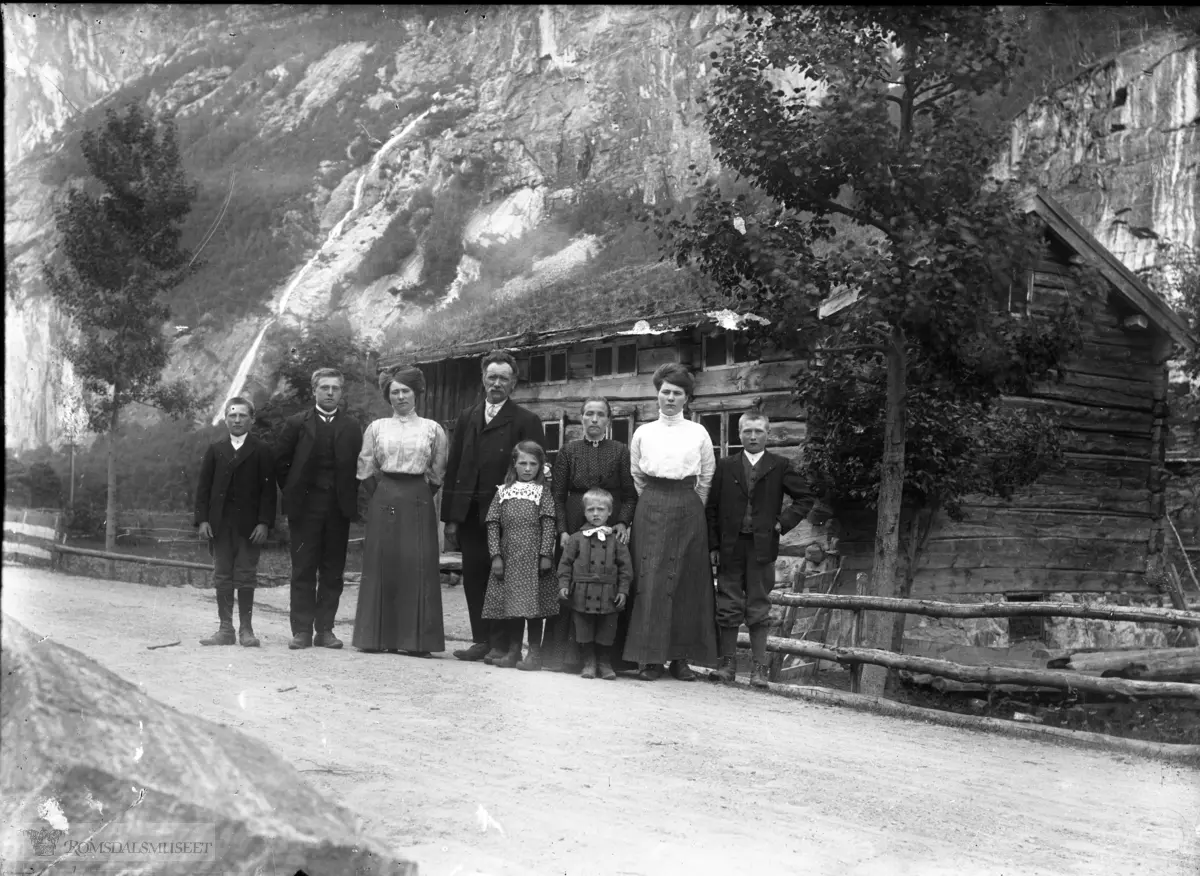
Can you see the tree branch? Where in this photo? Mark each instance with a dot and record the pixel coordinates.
(835, 207)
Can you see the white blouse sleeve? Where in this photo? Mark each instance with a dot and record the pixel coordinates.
(635, 460)
(708, 465)
(366, 457)
(436, 473)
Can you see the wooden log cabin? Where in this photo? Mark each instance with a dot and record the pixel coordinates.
(1095, 530)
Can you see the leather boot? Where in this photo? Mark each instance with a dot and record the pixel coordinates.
(245, 613)
(726, 671)
(224, 634)
(758, 677)
(498, 640)
(326, 639)
(477, 651)
(301, 641)
(604, 665)
(681, 671)
(510, 659)
(532, 661)
(588, 650)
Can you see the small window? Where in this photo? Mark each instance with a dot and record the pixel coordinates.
(727, 348)
(537, 368)
(603, 362)
(548, 367)
(1020, 295)
(714, 351)
(722, 428)
(1026, 629)
(554, 431)
(619, 429)
(712, 424)
(741, 348)
(613, 359)
(627, 359)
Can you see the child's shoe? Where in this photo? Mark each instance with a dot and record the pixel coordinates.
(511, 659)
(589, 667)
(532, 661)
(604, 667)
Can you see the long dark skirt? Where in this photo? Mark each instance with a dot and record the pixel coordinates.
(400, 598)
(673, 612)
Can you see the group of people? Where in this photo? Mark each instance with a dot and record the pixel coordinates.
(604, 562)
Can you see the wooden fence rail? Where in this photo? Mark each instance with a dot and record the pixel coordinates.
(1061, 679)
(987, 609)
(856, 656)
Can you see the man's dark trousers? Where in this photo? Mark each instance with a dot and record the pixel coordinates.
(476, 569)
(235, 566)
(318, 547)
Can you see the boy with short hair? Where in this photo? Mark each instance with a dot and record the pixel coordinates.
(235, 510)
(594, 576)
(745, 521)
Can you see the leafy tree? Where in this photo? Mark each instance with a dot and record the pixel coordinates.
(868, 175)
(119, 252)
(300, 353)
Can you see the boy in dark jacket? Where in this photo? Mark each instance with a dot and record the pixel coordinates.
(594, 575)
(744, 526)
(235, 510)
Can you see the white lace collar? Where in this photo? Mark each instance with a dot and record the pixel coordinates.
(522, 490)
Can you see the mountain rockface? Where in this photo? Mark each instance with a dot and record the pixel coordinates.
(378, 163)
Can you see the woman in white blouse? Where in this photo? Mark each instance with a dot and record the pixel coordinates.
(400, 598)
(672, 463)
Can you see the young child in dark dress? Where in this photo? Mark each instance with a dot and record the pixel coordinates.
(522, 529)
(594, 575)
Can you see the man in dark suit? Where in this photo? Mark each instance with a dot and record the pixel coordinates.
(480, 452)
(744, 526)
(316, 459)
(235, 509)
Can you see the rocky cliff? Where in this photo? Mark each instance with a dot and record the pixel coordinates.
(382, 163)
(423, 157)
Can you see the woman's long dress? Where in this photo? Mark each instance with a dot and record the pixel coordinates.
(580, 466)
(400, 597)
(521, 529)
(673, 613)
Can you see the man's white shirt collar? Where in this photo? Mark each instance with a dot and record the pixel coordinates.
(753, 458)
(237, 441)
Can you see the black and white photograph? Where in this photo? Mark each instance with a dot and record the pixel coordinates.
(601, 440)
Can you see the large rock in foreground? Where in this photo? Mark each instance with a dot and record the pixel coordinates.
(100, 776)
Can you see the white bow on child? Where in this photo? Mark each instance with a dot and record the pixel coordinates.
(601, 531)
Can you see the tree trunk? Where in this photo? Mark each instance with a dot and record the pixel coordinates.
(918, 534)
(877, 627)
(110, 512)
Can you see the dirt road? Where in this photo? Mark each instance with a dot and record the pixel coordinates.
(593, 777)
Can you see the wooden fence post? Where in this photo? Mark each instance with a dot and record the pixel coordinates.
(860, 589)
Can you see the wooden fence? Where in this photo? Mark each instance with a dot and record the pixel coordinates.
(855, 656)
(31, 536)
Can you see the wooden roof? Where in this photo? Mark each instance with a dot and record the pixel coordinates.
(1127, 284)
(540, 340)
(1064, 226)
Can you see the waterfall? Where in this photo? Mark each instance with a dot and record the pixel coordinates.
(243, 370)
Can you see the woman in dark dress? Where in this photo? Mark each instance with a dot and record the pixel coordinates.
(400, 598)
(672, 461)
(588, 462)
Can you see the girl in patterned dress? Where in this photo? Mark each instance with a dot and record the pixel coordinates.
(522, 529)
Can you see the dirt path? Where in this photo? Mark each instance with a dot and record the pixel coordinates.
(626, 777)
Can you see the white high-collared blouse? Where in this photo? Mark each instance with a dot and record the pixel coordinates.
(404, 445)
(675, 448)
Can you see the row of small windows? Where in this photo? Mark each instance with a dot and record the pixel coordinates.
(612, 360)
(722, 428)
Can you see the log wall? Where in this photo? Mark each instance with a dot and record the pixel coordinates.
(1094, 527)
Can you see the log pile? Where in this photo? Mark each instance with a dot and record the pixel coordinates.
(1161, 664)
(86, 757)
